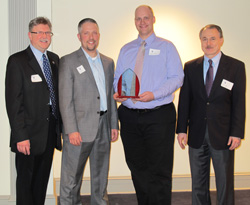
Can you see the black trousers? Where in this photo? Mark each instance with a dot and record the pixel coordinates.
(148, 139)
(223, 163)
(33, 172)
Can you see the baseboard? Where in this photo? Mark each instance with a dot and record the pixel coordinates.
(7, 200)
(124, 185)
(180, 183)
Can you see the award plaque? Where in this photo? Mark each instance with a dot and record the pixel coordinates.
(128, 85)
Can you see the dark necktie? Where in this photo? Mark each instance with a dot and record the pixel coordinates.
(48, 76)
(209, 77)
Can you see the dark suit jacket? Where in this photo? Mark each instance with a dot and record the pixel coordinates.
(27, 101)
(223, 111)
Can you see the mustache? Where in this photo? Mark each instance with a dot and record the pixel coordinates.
(208, 47)
(44, 40)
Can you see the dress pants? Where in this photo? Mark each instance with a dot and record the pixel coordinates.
(33, 172)
(223, 163)
(74, 159)
(148, 139)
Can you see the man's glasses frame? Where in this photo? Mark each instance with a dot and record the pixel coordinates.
(41, 33)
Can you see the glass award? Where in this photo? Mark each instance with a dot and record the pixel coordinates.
(128, 85)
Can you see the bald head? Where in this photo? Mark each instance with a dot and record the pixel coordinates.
(144, 21)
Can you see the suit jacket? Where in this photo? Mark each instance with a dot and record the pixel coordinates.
(27, 102)
(223, 112)
(79, 96)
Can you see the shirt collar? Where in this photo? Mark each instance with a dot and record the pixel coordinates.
(148, 41)
(38, 54)
(89, 57)
(215, 59)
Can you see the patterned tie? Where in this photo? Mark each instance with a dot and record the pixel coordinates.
(209, 77)
(139, 61)
(48, 76)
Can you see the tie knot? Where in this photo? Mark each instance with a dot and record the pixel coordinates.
(143, 43)
(210, 62)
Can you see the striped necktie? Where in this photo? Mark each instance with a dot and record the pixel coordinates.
(48, 76)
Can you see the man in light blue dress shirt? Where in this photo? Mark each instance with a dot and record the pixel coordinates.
(89, 116)
(148, 122)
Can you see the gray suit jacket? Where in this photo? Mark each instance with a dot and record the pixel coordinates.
(79, 97)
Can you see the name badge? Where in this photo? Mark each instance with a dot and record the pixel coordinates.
(154, 52)
(80, 69)
(227, 84)
(36, 78)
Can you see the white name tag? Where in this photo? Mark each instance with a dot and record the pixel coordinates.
(80, 69)
(154, 52)
(36, 78)
(227, 84)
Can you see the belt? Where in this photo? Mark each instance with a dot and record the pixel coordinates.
(148, 110)
(102, 112)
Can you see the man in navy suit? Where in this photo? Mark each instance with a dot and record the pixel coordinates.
(34, 120)
(212, 111)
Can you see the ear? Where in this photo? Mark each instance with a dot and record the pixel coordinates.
(154, 19)
(79, 37)
(221, 41)
(29, 35)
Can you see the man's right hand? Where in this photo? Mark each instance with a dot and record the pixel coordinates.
(182, 140)
(75, 138)
(24, 147)
(116, 98)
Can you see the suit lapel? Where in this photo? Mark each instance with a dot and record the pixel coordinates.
(35, 65)
(200, 77)
(84, 61)
(53, 67)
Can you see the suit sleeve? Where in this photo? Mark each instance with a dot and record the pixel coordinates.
(114, 115)
(67, 108)
(14, 100)
(238, 103)
(184, 104)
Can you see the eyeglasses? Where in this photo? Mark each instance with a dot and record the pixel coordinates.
(41, 33)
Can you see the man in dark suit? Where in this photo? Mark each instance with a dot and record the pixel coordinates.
(33, 111)
(212, 109)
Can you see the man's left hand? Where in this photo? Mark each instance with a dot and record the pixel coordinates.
(145, 97)
(234, 142)
(114, 135)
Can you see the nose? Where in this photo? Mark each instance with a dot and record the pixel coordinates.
(209, 42)
(44, 34)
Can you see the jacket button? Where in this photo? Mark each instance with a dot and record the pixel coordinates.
(98, 97)
(205, 118)
(208, 103)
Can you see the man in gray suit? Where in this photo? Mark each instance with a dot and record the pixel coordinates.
(89, 115)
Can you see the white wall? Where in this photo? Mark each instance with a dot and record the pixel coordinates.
(178, 21)
(4, 124)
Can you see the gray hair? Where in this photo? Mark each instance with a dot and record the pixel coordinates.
(39, 20)
(211, 26)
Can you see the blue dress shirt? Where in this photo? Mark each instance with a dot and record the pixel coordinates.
(98, 72)
(216, 61)
(162, 70)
